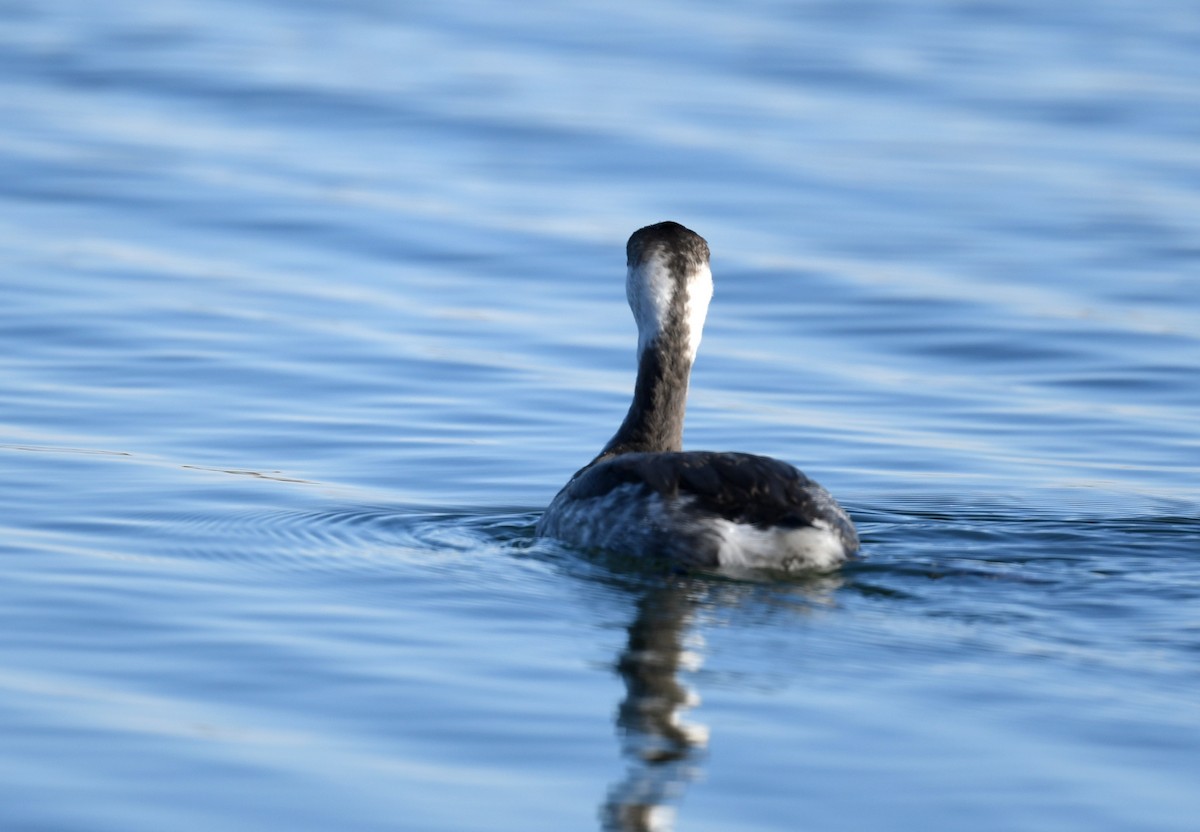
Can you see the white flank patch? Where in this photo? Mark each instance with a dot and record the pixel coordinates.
(812, 547)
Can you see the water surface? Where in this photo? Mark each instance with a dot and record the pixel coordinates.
(309, 308)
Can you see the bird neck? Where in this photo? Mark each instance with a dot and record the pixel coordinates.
(654, 422)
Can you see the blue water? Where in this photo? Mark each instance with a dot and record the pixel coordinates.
(308, 309)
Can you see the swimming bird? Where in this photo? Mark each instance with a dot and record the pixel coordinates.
(644, 494)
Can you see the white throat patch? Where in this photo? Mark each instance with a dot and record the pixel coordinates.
(651, 290)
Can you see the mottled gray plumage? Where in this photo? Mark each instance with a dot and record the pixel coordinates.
(742, 488)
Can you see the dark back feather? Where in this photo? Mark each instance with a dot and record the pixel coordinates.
(743, 488)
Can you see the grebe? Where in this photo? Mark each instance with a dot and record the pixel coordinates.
(644, 494)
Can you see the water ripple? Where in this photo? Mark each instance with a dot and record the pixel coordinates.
(351, 538)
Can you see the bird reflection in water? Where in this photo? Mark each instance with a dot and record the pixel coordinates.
(655, 739)
(663, 750)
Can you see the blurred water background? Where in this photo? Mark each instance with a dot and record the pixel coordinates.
(309, 307)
